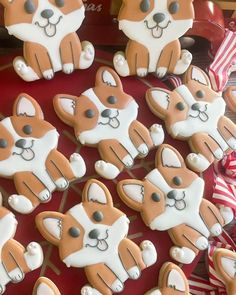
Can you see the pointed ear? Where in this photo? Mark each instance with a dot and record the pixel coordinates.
(108, 77)
(49, 225)
(131, 191)
(25, 105)
(64, 106)
(158, 100)
(167, 156)
(44, 286)
(230, 97)
(5, 3)
(196, 74)
(95, 191)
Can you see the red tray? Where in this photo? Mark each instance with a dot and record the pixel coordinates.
(71, 280)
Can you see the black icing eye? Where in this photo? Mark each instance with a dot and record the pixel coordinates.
(27, 129)
(156, 197)
(74, 232)
(145, 5)
(98, 216)
(180, 106)
(3, 143)
(177, 180)
(60, 3)
(29, 6)
(112, 99)
(89, 113)
(200, 93)
(174, 7)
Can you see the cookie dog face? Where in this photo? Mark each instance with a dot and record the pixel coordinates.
(89, 231)
(42, 18)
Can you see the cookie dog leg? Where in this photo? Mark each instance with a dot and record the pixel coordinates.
(228, 131)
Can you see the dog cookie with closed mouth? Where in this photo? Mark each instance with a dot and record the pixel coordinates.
(106, 117)
(154, 28)
(29, 156)
(172, 281)
(195, 113)
(225, 265)
(15, 260)
(93, 235)
(170, 198)
(44, 286)
(48, 31)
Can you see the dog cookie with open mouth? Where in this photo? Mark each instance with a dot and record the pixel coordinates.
(154, 28)
(172, 281)
(225, 265)
(48, 31)
(44, 286)
(195, 113)
(29, 156)
(170, 198)
(15, 261)
(93, 235)
(106, 117)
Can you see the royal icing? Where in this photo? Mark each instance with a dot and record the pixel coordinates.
(45, 286)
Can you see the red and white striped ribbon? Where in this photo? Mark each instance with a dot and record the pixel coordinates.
(221, 67)
(174, 81)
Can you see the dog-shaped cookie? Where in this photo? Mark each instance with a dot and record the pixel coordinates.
(154, 28)
(171, 198)
(15, 260)
(93, 235)
(106, 117)
(29, 155)
(195, 113)
(48, 30)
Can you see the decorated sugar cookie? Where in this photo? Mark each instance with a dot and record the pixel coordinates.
(195, 113)
(93, 235)
(44, 286)
(29, 155)
(106, 117)
(154, 28)
(48, 30)
(15, 260)
(230, 97)
(172, 281)
(171, 198)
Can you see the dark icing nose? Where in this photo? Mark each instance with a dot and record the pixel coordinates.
(47, 13)
(93, 234)
(196, 106)
(20, 143)
(106, 113)
(158, 17)
(172, 194)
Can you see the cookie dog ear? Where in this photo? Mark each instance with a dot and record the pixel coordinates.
(107, 77)
(167, 156)
(196, 74)
(95, 191)
(64, 106)
(158, 100)
(44, 286)
(230, 97)
(25, 105)
(5, 3)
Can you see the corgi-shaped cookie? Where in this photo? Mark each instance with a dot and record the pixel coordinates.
(93, 235)
(105, 117)
(225, 265)
(15, 260)
(171, 198)
(29, 155)
(44, 286)
(194, 112)
(48, 30)
(154, 28)
(172, 281)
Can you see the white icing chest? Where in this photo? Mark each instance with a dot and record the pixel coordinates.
(4, 278)
(116, 266)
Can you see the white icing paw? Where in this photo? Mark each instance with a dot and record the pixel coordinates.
(216, 230)
(142, 72)
(16, 275)
(218, 154)
(48, 74)
(202, 243)
(128, 161)
(232, 143)
(149, 253)
(227, 213)
(197, 162)
(68, 68)
(77, 165)
(87, 290)
(20, 204)
(2, 289)
(44, 196)
(34, 255)
(117, 286)
(183, 64)
(87, 55)
(143, 150)
(182, 255)
(134, 273)
(121, 64)
(157, 134)
(186, 57)
(23, 70)
(106, 170)
(61, 184)
(161, 72)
